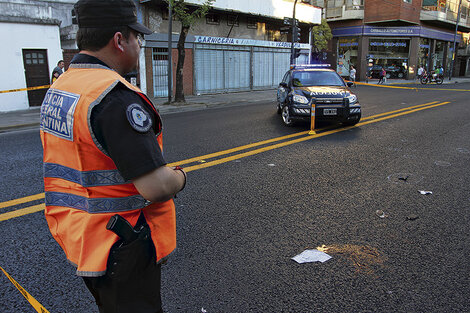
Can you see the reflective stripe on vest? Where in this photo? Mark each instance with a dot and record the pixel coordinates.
(85, 178)
(95, 205)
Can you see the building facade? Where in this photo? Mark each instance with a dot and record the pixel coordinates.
(239, 45)
(399, 35)
(32, 47)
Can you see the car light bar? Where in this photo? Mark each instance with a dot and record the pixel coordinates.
(305, 66)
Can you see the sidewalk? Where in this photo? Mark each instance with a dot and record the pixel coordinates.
(30, 117)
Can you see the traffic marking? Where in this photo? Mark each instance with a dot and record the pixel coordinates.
(319, 133)
(21, 212)
(22, 200)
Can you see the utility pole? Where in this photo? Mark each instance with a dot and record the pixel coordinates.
(170, 39)
(294, 26)
(454, 53)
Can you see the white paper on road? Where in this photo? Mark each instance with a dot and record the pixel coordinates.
(311, 256)
(424, 192)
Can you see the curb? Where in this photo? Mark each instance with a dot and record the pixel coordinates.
(17, 126)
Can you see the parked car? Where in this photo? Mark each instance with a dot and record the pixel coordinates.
(375, 71)
(319, 84)
(392, 71)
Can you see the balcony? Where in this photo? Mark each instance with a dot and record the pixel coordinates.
(444, 13)
(337, 10)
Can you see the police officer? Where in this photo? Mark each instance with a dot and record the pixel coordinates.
(102, 140)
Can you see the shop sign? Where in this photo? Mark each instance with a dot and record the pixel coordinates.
(389, 44)
(248, 42)
(412, 31)
(391, 31)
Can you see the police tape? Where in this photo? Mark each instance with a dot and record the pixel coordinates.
(36, 305)
(26, 89)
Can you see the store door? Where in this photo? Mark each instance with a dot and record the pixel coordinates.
(36, 73)
(269, 66)
(160, 72)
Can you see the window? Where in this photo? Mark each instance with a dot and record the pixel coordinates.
(166, 14)
(74, 17)
(232, 20)
(213, 19)
(252, 23)
(316, 78)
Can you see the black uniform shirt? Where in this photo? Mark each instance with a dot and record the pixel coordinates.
(135, 152)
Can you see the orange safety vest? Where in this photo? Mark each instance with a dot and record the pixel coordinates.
(82, 184)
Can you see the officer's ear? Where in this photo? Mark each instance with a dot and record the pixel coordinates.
(118, 40)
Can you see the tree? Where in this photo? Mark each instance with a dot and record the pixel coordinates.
(321, 36)
(187, 15)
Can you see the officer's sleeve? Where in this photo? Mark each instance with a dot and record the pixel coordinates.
(125, 128)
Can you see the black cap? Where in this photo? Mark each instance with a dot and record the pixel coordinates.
(108, 13)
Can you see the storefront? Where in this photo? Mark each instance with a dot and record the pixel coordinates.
(217, 64)
(399, 50)
(390, 53)
(347, 55)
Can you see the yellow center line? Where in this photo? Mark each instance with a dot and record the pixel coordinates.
(252, 145)
(367, 120)
(21, 212)
(286, 143)
(21, 200)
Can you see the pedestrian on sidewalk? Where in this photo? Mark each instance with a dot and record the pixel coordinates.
(108, 190)
(382, 75)
(57, 71)
(352, 75)
(420, 72)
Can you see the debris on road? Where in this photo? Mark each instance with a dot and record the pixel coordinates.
(381, 214)
(403, 177)
(312, 255)
(425, 192)
(442, 163)
(271, 164)
(412, 217)
(364, 258)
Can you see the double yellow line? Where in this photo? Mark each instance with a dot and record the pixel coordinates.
(213, 159)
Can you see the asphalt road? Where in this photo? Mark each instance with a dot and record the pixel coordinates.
(354, 192)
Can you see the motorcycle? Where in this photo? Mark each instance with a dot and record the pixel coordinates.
(433, 78)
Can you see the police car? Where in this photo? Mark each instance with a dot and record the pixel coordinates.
(318, 84)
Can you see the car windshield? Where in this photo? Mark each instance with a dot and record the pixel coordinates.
(316, 78)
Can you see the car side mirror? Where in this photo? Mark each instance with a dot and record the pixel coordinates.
(283, 84)
(350, 84)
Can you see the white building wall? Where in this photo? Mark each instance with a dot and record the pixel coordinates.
(18, 36)
(272, 8)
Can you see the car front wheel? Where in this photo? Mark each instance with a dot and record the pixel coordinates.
(286, 118)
